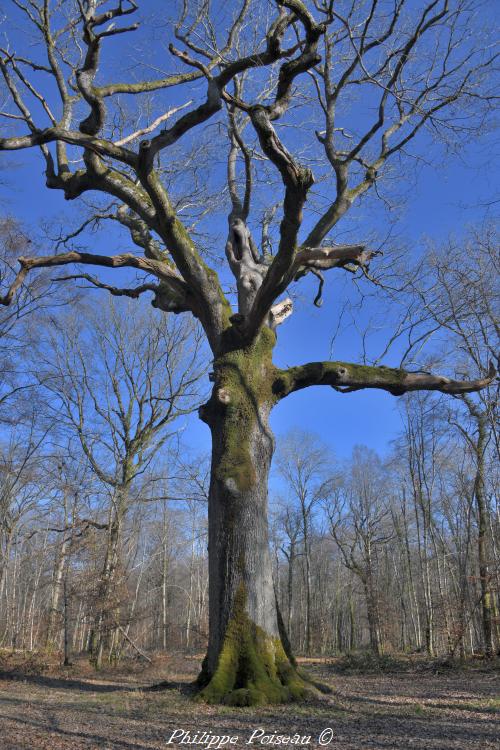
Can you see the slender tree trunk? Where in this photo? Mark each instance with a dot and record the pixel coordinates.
(246, 661)
(191, 588)
(399, 577)
(482, 519)
(67, 661)
(57, 584)
(307, 559)
(100, 634)
(337, 616)
(291, 562)
(29, 615)
(124, 631)
(4, 560)
(78, 629)
(462, 609)
(352, 620)
(424, 561)
(373, 616)
(165, 560)
(414, 608)
(442, 588)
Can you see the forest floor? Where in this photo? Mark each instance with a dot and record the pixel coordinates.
(401, 704)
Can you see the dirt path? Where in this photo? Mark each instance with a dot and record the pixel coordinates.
(457, 710)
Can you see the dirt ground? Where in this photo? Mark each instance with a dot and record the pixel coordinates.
(414, 705)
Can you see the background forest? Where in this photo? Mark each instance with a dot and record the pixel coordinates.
(103, 544)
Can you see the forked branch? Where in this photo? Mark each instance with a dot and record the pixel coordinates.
(171, 294)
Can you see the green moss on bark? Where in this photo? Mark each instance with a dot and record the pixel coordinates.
(243, 387)
(253, 668)
(337, 374)
(237, 466)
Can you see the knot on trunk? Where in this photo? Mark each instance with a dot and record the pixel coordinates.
(223, 396)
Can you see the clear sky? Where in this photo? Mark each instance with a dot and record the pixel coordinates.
(440, 200)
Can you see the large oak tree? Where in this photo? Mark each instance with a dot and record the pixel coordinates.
(342, 87)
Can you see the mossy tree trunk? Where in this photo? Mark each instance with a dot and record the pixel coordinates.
(246, 661)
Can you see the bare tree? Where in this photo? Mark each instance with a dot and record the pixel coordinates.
(302, 463)
(459, 294)
(14, 320)
(290, 526)
(412, 70)
(358, 513)
(20, 493)
(68, 476)
(121, 382)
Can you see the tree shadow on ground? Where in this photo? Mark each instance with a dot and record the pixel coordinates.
(184, 687)
(99, 740)
(62, 683)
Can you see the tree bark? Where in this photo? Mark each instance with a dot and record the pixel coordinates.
(307, 558)
(57, 585)
(372, 614)
(248, 660)
(165, 569)
(102, 624)
(67, 661)
(482, 522)
(290, 587)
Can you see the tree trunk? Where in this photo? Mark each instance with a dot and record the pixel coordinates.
(352, 621)
(291, 561)
(165, 564)
(57, 585)
(67, 662)
(307, 557)
(247, 661)
(373, 616)
(482, 522)
(103, 619)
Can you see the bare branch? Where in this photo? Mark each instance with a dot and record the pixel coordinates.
(97, 145)
(170, 280)
(153, 126)
(133, 293)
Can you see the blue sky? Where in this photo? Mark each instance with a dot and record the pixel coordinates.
(439, 200)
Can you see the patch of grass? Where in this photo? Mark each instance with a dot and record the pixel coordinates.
(418, 709)
(491, 706)
(486, 705)
(364, 662)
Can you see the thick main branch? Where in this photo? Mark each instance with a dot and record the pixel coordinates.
(346, 377)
